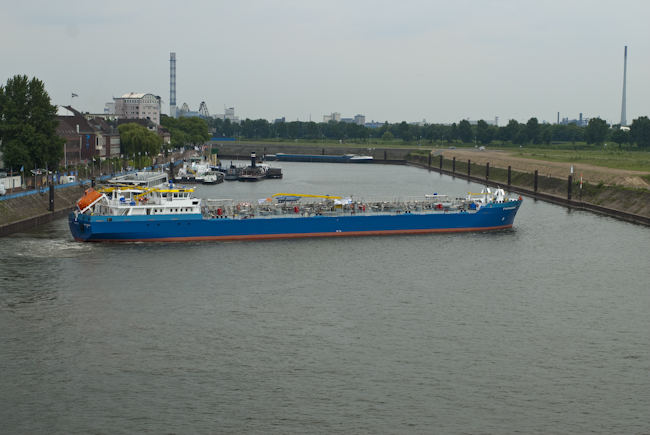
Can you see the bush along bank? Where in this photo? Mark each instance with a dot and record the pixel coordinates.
(632, 204)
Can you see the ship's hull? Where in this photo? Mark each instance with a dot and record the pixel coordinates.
(194, 227)
(188, 180)
(321, 158)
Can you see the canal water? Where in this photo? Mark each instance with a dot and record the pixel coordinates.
(542, 328)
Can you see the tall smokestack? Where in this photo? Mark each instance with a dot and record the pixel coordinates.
(623, 117)
(172, 85)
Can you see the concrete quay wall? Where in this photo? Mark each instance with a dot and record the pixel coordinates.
(243, 151)
(19, 214)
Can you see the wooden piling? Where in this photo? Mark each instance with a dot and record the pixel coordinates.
(535, 184)
(569, 187)
(487, 171)
(51, 197)
(469, 168)
(509, 173)
(453, 165)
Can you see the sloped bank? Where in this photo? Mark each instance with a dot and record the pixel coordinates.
(19, 214)
(631, 204)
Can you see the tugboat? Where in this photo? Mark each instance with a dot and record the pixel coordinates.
(252, 172)
(232, 173)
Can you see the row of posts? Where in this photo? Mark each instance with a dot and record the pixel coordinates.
(487, 174)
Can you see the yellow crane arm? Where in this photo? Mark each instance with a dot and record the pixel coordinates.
(307, 196)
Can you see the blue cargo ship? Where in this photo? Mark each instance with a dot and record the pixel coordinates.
(170, 214)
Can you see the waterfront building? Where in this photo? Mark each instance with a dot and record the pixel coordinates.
(86, 139)
(138, 106)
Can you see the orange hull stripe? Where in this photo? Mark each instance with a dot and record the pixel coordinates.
(300, 235)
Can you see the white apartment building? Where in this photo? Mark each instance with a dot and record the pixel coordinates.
(138, 106)
(335, 116)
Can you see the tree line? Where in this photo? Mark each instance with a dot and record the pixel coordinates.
(597, 131)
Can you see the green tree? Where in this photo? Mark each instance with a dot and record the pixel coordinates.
(512, 129)
(387, 136)
(483, 132)
(352, 130)
(520, 137)
(620, 136)
(640, 131)
(312, 130)
(465, 131)
(596, 131)
(195, 130)
(533, 131)
(453, 132)
(28, 125)
(178, 139)
(281, 129)
(547, 136)
(293, 128)
(136, 139)
(228, 129)
(405, 131)
(574, 133)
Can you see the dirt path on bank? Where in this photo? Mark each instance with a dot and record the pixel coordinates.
(592, 174)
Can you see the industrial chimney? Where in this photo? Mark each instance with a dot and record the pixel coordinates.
(172, 85)
(623, 117)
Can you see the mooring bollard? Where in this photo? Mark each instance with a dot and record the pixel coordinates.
(487, 171)
(569, 189)
(469, 168)
(51, 197)
(535, 185)
(440, 161)
(384, 155)
(453, 165)
(509, 170)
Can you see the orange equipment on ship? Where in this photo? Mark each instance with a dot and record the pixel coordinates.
(88, 199)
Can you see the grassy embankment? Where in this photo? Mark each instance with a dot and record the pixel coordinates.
(631, 200)
(614, 158)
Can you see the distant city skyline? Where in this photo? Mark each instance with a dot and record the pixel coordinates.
(439, 61)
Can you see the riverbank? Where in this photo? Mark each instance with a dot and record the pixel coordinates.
(528, 163)
(19, 214)
(627, 203)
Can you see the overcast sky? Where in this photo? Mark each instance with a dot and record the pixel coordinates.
(410, 60)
